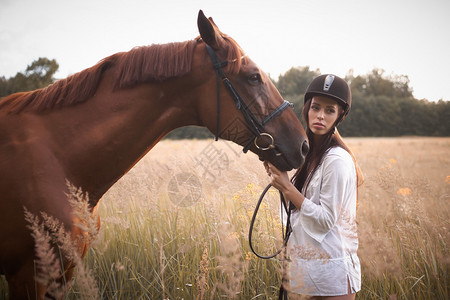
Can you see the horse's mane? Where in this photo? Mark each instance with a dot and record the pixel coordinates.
(152, 63)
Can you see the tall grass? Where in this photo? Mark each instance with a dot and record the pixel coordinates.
(175, 229)
(158, 250)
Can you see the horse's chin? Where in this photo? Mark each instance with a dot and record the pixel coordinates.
(281, 162)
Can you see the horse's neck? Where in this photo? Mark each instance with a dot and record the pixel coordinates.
(104, 137)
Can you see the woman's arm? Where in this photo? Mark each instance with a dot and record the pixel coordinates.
(280, 180)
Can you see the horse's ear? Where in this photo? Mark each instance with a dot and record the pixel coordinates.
(212, 21)
(207, 30)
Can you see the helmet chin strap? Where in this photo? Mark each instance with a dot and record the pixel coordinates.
(340, 118)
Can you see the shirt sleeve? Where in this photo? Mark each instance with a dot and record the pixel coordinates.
(318, 219)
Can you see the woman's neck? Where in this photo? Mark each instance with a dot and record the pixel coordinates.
(318, 141)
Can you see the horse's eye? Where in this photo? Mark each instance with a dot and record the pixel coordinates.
(255, 79)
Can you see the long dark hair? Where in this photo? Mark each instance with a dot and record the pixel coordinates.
(314, 157)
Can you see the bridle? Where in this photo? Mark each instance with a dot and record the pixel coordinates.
(257, 129)
(255, 126)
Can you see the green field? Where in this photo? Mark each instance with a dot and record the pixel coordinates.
(176, 226)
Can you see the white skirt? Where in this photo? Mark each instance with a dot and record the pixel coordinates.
(325, 277)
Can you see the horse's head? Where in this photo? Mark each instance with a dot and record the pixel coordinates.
(249, 109)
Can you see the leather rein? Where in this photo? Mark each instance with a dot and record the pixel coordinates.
(286, 232)
(257, 129)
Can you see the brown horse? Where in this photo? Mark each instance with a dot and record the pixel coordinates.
(92, 127)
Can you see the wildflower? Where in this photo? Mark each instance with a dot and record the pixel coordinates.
(234, 235)
(392, 161)
(251, 189)
(236, 198)
(248, 256)
(447, 180)
(404, 191)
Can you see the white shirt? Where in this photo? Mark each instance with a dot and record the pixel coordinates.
(324, 240)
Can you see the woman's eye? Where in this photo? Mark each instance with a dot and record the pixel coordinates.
(255, 79)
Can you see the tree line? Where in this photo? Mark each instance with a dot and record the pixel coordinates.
(382, 105)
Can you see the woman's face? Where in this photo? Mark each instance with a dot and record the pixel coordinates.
(322, 114)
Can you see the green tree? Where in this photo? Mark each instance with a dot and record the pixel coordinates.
(377, 84)
(292, 85)
(190, 132)
(38, 74)
(296, 80)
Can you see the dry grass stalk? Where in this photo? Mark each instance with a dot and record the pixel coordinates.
(48, 268)
(83, 212)
(230, 263)
(202, 278)
(50, 234)
(161, 263)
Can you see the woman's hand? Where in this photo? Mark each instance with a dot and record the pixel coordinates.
(279, 180)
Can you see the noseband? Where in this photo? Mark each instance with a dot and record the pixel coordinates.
(256, 126)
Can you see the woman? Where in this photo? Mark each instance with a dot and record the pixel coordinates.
(322, 194)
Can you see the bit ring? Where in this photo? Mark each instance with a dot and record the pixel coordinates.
(271, 145)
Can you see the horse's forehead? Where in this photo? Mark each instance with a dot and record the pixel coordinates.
(247, 64)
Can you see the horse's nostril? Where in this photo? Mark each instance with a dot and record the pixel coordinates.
(305, 148)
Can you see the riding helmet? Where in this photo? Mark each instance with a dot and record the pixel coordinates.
(333, 87)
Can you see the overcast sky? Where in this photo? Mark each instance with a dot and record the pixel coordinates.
(403, 37)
